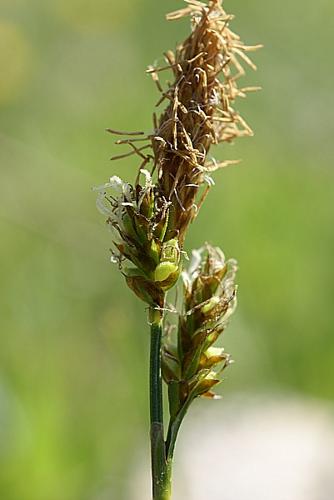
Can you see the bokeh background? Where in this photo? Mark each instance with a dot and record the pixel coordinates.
(74, 342)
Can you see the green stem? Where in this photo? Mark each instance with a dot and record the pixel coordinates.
(160, 468)
(156, 409)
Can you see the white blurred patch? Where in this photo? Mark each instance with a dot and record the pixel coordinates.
(251, 448)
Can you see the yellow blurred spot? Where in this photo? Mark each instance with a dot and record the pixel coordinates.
(14, 61)
(94, 16)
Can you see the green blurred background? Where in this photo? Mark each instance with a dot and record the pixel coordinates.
(74, 342)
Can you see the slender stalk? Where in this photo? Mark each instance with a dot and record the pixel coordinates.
(173, 430)
(160, 470)
(156, 407)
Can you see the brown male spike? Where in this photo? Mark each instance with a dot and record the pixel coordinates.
(206, 68)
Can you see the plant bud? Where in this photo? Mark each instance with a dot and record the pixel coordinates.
(211, 304)
(164, 270)
(168, 270)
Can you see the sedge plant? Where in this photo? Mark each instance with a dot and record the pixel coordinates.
(149, 221)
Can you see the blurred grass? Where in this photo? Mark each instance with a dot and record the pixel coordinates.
(73, 402)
